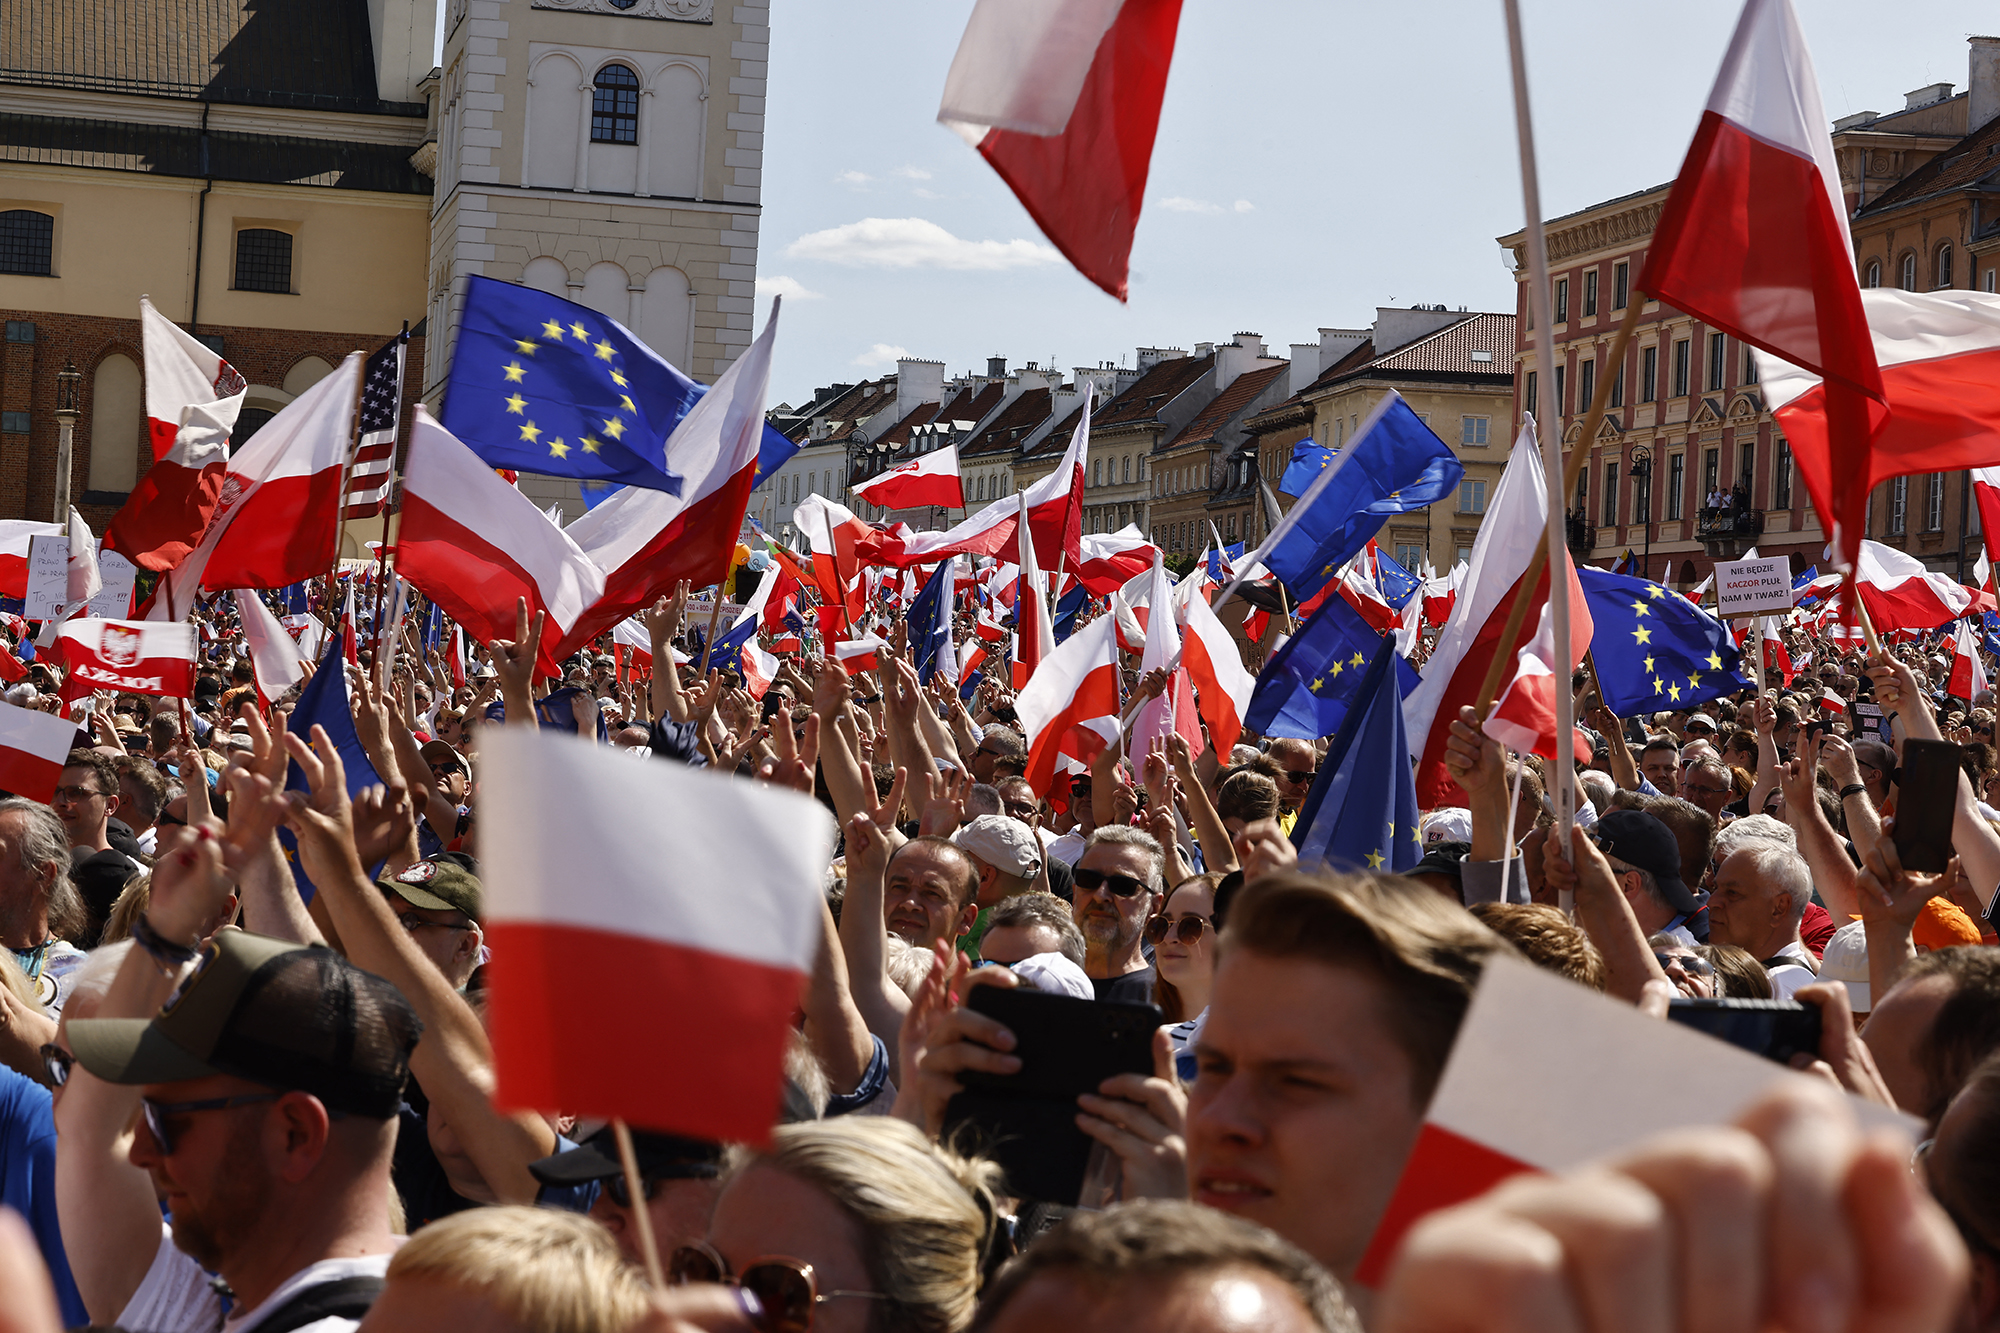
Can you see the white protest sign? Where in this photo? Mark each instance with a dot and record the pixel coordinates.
(114, 599)
(48, 577)
(1753, 587)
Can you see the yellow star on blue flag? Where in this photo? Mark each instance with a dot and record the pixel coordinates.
(1656, 650)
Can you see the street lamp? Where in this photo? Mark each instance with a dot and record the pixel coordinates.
(69, 382)
(1642, 471)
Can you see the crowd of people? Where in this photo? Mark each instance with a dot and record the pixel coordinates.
(246, 1084)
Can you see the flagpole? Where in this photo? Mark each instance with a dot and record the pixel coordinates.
(388, 496)
(628, 1161)
(347, 469)
(1548, 434)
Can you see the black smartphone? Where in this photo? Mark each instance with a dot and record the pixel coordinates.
(1774, 1029)
(1820, 727)
(1026, 1121)
(1926, 799)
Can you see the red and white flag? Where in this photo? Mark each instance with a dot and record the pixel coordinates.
(1830, 701)
(275, 658)
(1034, 631)
(473, 545)
(1055, 516)
(646, 541)
(1108, 560)
(1173, 711)
(1546, 1076)
(1524, 716)
(132, 656)
(1968, 675)
(835, 536)
(192, 399)
(1512, 531)
(1776, 656)
(1754, 241)
(1222, 686)
(1062, 98)
(277, 520)
(33, 746)
(759, 669)
(1986, 494)
(576, 840)
(633, 643)
(1899, 593)
(928, 479)
(1070, 704)
(15, 534)
(81, 578)
(859, 654)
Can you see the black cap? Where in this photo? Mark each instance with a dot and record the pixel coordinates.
(659, 1157)
(267, 1010)
(1443, 858)
(1642, 841)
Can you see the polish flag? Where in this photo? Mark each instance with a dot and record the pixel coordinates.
(349, 629)
(11, 667)
(632, 645)
(130, 656)
(1360, 592)
(928, 479)
(1968, 676)
(277, 520)
(1776, 657)
(82, 580)
(33, 746)
(971, 663)
(1032, 627)
(1173, 712)
(575, 839)
(1900, 593)
(1062, 98)
(859, 654)
(1524, 715)
(1070, 705)
(646, 541)
(759, 669)
(1753, 241)
(1112, 559)
(309, 633)
(1830, 701)
(275, 659)
(192, 399)
(14, 537)
(458, 657)
(1222, 686)
(1513, 530)
(473, 545)
(1546, 1076)
(835, 535)
(1055, 515)
(1985, 494)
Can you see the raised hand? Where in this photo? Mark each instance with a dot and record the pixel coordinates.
(796, 757)
(883, 816)
(944, 802)
(514, 663)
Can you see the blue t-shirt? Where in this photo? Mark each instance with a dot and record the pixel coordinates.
(28, 1179)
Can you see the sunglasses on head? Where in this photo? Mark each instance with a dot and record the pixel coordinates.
(1118, 886)
(785, 1288)
(1187, 930)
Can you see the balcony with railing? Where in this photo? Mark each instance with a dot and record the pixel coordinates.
(1727, 531)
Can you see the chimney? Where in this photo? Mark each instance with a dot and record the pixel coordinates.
(917, 382)
(1336, 343)
(1927, 95)
(1305, 366)
(996, 367)
(1148, 357)
(1983, 86)
(1396, 328)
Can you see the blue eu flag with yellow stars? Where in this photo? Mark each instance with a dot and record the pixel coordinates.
(1309, 459)
(1308, 687)
(540, 384)
(1361, 813)
(1655, 650)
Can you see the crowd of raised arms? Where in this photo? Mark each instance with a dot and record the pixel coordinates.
(230, 1100)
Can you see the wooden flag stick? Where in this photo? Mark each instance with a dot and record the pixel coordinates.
(714, 614)
(635, 1188)
(1503, 655)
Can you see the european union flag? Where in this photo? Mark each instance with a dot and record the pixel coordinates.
(1354, 819)
(1655, 650)
(1395, 465)
(294, 599)
(1398, 585)
(324, 701)
(1309, 459)
(728, 645)
(929, 619)
(1222, 563)
(1310, 683)
(1068, 607)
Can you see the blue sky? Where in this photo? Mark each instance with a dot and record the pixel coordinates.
(1316, 159)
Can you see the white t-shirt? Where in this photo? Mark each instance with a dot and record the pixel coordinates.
(176, 1295)
(1788, 977)
(1067, 848)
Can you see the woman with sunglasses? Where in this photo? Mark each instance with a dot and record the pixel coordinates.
(853, 1224)
(1183, 940)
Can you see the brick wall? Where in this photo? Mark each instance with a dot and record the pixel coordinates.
(28, 384)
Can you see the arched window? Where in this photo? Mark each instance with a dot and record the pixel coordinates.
(117, 424)
(1875, 274)
(1944, 265)
(27, 242)
(614, 106)
(1128, 467)
(1910, 271)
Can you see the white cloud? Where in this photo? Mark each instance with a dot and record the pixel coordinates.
(911, 173)
(880, 356)
(1178, 204)
(854, 179)
(1244, 206)
(916, 243)
(789, 288)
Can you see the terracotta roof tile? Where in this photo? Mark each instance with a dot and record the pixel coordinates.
(1242, 391)
(1972, 159)
(899, 433)
(1057, 440)
(1161, 384)
(1016, 420)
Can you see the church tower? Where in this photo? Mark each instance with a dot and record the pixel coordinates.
(607, 151)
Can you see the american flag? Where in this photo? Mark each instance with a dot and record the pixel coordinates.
(369, 477)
